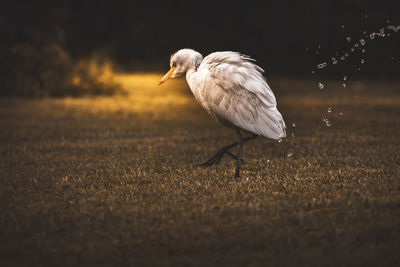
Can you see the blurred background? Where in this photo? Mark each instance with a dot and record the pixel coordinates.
(70, 47)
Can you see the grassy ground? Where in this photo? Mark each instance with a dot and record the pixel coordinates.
(114, 180)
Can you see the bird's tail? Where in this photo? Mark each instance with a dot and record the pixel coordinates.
(273, 125)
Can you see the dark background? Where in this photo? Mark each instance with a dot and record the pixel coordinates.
(141, 35)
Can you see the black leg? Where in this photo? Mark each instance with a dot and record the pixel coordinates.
(237, 171)
(225, 150)
(218, 156)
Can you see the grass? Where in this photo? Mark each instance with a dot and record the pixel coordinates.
(114, 180)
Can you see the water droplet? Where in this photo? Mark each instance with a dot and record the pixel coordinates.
(393, 28)
(321, 86)
(362, 41)
(280, 140)
(318, 46)
(344, 85)
(289, 154)
(341, 114)
(356, 45)
(363, 50)
(348, 39)
(362, 61)
(352, 49)
(330, 109)
(342, 58)
(344, 78)
(313, 72)
(342, 26)
(322, 65)
(334, 62)
(293, 124)
(372, 36)
(293, 135)
(268, 160)
(364, 32)
(327, 122)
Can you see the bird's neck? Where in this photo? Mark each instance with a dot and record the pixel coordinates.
(190, 75)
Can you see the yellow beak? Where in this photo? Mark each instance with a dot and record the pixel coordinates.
(167, 75)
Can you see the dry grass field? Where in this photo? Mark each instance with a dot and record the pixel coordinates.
(115, 180)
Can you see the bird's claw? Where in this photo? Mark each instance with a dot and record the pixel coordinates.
(216, 159)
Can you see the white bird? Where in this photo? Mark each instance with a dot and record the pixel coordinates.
(232, 89)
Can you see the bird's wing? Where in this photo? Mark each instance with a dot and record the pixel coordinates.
(235, 91)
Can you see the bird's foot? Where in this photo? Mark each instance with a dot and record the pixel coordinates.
(216, 159)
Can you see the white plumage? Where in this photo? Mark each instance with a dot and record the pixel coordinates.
(231, 88)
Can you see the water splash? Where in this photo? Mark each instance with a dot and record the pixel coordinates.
(361, 43)
(355, 47)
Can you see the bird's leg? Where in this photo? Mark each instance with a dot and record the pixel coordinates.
(237, 171)
(225, 150)
(218, 156)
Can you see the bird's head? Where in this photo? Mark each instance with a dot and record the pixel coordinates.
(182, 61)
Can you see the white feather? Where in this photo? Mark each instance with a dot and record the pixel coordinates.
(232, 90)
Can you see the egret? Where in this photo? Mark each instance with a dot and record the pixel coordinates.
(232, 89)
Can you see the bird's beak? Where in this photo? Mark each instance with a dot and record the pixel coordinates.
(167, 75)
